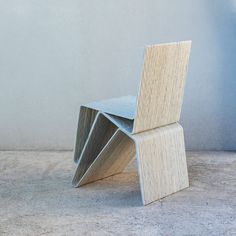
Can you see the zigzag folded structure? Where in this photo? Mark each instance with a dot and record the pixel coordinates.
(112, 132)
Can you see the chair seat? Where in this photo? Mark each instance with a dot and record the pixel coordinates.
(124, 107)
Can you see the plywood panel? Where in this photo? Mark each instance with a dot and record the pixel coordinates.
(162, 85)
(99, 136)
(125, 125)
(162, 162)
(123, 106)
(112, 160)
(86, 120)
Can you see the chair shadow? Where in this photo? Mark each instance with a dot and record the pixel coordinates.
(121, 190)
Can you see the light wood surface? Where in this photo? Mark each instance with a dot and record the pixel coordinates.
(112, 160)
(86, 120)
(110, 132)
(162, 85)
(162, 162)
(99, 136)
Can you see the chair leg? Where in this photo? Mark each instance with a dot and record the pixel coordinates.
(162, 162)
(116, 155)
(87, 118)
(101, 132)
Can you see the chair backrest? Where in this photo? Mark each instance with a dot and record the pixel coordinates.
(161, 90)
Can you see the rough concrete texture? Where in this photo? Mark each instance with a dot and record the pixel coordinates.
(36, 198)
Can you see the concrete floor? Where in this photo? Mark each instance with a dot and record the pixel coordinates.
(36, 198)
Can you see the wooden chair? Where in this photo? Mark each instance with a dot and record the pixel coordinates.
(110, 133)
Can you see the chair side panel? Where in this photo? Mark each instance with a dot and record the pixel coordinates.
(162, 162)
(101, 132)
(86, 120)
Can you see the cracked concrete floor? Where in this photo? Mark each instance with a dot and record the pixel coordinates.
(36, 198)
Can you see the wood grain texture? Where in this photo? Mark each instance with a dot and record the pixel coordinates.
(162, 85)
(115, 156)
(110, 133)
(100, 134)
(86, 120)
(162, 162)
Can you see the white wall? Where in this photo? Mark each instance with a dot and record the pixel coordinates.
(57, 54)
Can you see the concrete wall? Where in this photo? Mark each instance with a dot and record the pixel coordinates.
(57, 54)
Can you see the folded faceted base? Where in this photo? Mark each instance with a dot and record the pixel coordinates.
(108, 146)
